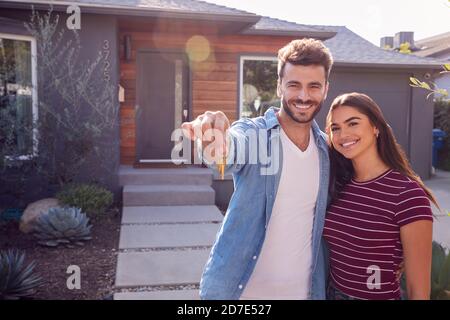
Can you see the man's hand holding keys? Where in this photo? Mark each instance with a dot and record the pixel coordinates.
(211, 129)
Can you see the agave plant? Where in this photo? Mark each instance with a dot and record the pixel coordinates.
(68, 226)
(17, 279)
(440, 273)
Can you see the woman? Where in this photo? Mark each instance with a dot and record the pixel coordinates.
(380, 215)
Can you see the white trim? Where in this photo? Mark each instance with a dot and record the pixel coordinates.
(241, 74)
(34, 90)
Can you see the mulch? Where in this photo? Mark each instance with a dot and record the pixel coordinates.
(97, 260)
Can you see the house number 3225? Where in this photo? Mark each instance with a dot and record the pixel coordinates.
(106, 64)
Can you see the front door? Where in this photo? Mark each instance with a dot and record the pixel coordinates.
(162, 103)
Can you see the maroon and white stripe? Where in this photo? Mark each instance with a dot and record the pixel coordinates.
(362, 229)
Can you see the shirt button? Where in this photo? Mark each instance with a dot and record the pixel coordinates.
(254, 257)
(240, 286)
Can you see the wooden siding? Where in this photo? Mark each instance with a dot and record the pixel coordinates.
(214, 83)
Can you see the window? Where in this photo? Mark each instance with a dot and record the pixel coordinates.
(258, 85)
(18, 95)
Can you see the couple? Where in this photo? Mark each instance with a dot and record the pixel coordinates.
(339, 218)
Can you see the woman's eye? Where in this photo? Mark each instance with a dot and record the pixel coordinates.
(334, 129)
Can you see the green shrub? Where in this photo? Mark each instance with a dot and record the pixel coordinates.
(92, 199)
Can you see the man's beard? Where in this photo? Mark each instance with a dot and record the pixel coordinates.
(285, 107)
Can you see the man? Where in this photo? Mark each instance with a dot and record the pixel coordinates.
(269, 245)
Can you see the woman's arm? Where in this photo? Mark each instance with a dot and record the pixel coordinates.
(417, 240)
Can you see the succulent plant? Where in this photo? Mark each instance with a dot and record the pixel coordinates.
(440, 274)
(17, 279)
(67, 226)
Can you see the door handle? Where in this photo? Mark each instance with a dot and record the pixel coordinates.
(185, 112)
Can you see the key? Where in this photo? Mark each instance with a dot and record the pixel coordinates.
(221, 167)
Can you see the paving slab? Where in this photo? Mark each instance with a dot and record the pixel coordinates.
(167, 195)
(157, 176)
(159, 295)
(171, 235)
(161, 214)
(153, 268)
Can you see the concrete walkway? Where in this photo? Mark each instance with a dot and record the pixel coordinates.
(169, 223)
(440, 185)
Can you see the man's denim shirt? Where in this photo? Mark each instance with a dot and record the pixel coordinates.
(240, 238)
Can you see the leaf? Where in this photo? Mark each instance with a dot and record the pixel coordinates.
(443, 92)
(425, 85)
(414, 80)
(447, 67)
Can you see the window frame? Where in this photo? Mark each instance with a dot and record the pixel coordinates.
(242, 58)
(34, 93)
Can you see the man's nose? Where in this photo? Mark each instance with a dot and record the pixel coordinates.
(303, 94)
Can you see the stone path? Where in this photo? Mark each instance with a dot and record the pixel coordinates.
(169, 224)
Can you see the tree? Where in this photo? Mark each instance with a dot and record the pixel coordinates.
(78, 113)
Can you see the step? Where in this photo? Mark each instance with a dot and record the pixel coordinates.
(159, 295)
(154, 268)
(161, 214)
(168, 235)
(167, 195)
(154, 176)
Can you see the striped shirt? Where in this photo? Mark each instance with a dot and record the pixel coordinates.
(362, 228)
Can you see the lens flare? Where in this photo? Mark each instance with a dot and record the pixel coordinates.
(198, 48)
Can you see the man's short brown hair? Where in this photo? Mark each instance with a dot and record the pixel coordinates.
(304, 52)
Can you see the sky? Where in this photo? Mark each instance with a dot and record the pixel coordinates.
(371, 19)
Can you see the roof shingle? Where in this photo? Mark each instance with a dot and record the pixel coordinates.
(349, 48)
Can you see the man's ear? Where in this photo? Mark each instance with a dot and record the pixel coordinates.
(279, 88)
(327, 84)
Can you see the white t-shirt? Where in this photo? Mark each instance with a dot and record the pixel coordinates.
(283, 269)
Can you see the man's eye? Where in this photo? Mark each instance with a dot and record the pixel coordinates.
(352, 124)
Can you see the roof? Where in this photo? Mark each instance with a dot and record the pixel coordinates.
(272, 26)
(434, 40)
(434, 46)
(347, 47)
(159, 8)
(163, 5)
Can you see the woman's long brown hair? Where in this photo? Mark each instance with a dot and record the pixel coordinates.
(389, 150)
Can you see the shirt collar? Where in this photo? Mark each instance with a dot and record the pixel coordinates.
(272, 121)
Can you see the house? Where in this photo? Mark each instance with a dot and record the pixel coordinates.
(436, 47)
(172, 60)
